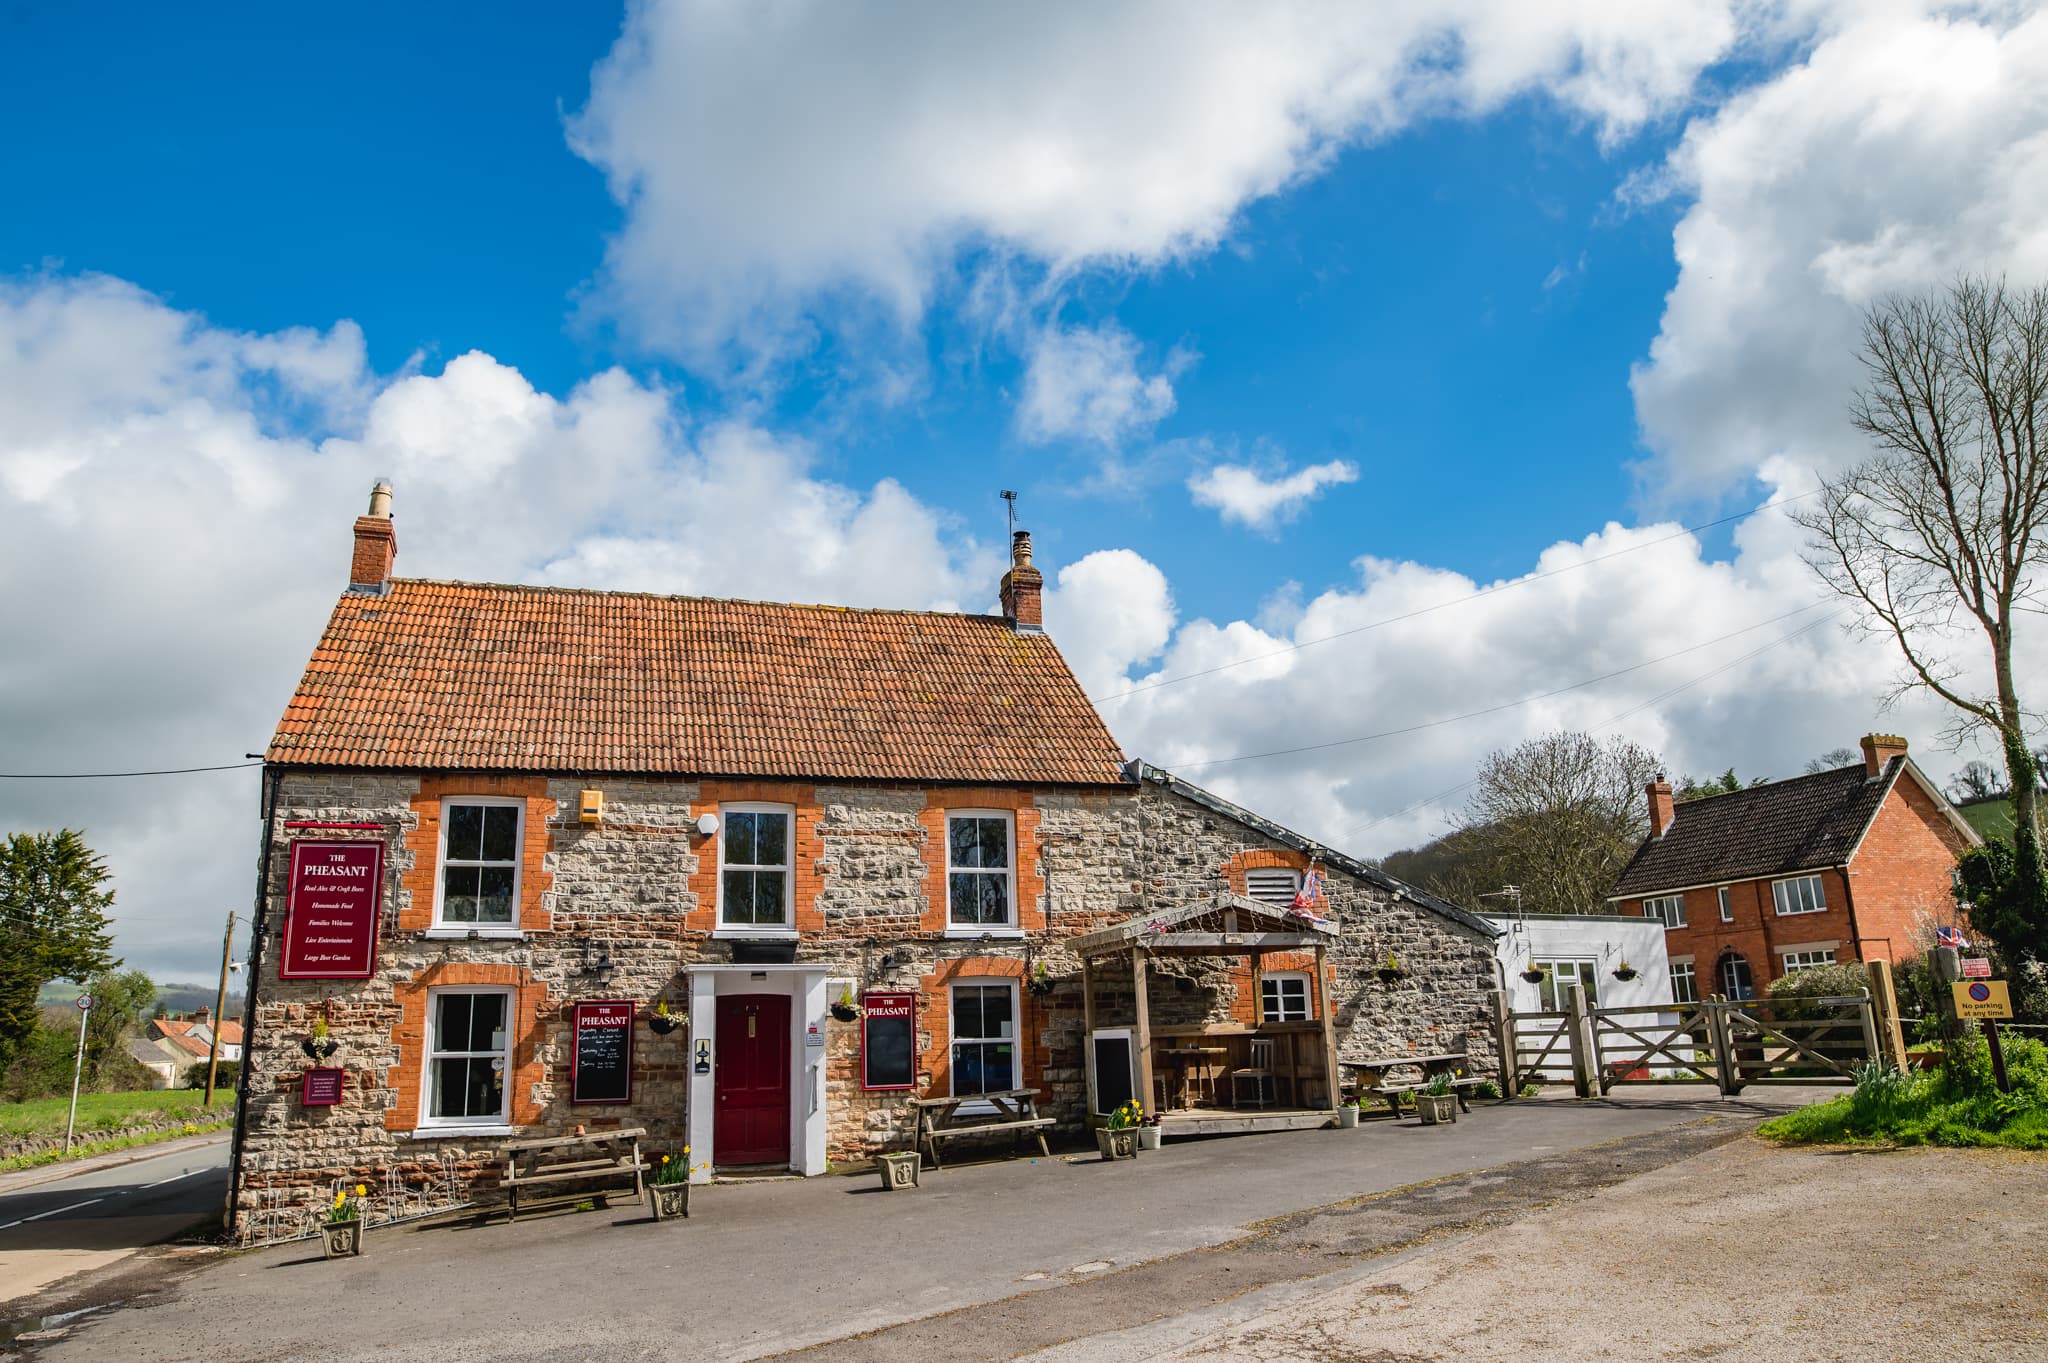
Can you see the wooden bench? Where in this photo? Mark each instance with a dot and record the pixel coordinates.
(600, 1157)
(1015, 1110)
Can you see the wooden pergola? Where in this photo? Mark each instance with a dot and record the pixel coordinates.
(1228, 925)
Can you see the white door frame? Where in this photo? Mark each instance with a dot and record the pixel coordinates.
(804, 987)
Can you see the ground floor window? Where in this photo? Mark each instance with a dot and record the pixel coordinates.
(1796, 961)
(984, 1049)
(468, 1053)
(1560, 975)
(1283, 996)
(1684, 988)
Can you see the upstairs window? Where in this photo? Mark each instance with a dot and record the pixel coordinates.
(754, 865)
(479, 885)
(1283, 996)
(980, 870)
(1272, 885)
(1727, 904)
(1670, 910)
(1801, 894)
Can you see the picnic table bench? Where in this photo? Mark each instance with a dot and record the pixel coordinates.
(601, 1156)
(1370, 1076)
(1015, 1110)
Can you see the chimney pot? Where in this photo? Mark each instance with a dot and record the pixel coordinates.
(1879, 749)
(1023, 588)
(1662, 807)
(369, 570)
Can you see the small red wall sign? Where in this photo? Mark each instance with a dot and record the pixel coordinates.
(334, 898)
(321, 1087)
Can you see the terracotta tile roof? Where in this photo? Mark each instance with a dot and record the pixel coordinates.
(1803, 824)
(465, 676)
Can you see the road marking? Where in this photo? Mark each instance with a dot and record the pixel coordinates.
(172, 1179)
(56, 1211)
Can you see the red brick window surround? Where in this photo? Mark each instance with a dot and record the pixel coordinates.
(804, 851)
(1025, 880)
(529, 1003)
(1263, 858)
(424, 883)
(935, 1020)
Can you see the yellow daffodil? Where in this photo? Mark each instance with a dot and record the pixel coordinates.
(361, 1191)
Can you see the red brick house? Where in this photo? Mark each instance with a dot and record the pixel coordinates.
(1760, 883)
(734, 814)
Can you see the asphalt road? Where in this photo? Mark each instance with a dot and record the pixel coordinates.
(98, 1216)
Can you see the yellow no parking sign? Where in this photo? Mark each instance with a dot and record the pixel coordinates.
(1977, 1000)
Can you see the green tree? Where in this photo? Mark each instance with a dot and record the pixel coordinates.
(120, 1000)
(53, 922)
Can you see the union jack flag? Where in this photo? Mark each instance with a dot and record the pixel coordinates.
(1950, 937)
(1156, 925)
(1311, 890)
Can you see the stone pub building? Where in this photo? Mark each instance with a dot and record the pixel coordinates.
(537, 858)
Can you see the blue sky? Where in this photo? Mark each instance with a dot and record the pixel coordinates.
(1283, 323)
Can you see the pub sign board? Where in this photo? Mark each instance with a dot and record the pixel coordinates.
(321, 1087)
(888, 1041)
(333, 904)
(601, 1066)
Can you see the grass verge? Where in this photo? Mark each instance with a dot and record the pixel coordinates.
(102, 1112)
(107, 1144)
(1955, 1105)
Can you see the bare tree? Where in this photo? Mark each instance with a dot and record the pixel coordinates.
(1976, 781)
(1832, 759)
(1560, 816)
(1941, 527)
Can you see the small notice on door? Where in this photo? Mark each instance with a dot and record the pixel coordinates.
(601, 1067)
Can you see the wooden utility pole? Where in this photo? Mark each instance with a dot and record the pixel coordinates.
(220, 1003)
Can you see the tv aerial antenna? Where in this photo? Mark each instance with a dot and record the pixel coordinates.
(1009, 496)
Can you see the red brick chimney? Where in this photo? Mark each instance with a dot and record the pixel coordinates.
(1661, 806)
(1879, 749)
(369, 571)
(1023, 586)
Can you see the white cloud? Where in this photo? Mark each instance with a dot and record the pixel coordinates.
(1909, 145)
(1243, 494)
(1109, 612)
(779, 163)
(175, 511)
(1082, 383)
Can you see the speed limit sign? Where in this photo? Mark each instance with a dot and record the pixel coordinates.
(84, 1003)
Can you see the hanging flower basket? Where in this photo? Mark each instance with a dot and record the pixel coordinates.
(1392, 976)
(319, 1048)
(1040, 985)
(662, 1024)
(1625, 971)
(1535, 976)
(845, 1012)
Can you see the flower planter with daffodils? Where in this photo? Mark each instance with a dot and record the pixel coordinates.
(1117, 1137)
(668, 1192)
(344, 1228)
(1437, 1104)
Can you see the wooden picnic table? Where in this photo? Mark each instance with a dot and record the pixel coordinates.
(1015, 1110)
(609, 1156)
(1371, 1075)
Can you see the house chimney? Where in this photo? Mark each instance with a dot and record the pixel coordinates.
(1023, 586)
(1879, 749)
(1661, 806)
(369, 571)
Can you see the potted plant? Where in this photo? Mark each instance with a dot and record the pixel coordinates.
(1347, 1116)
(668, 1192)
(900, 1169)
(1391, 972)
(662, 1021)
(1040, 982)
(1437, 1103)
(1625, 971)
(344, 1227)
(1117, 1137)
(846, 1010)
(319, 1045)
(1149, 1132)
(1534, 974)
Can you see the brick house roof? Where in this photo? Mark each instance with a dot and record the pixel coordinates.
(467, 676)
(1804, 824)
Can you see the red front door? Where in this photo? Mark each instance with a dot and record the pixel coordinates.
(752, 1080)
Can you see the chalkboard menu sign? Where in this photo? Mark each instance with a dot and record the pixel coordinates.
(331, 909)
(888, 1041)
(601, 1067)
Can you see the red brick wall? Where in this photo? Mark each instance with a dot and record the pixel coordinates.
(1758, 932)
(1902, 870)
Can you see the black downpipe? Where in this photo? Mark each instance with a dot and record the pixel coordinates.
(258, 932)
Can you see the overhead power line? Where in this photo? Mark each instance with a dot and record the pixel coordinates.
(116, 775)
(1420, 611)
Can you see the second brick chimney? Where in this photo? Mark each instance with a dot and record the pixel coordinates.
(369, 571)
(1661, 806)
(1879, 749)
(1023, 586)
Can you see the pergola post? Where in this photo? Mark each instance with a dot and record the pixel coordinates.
(1327, 1013)
(1138, 955)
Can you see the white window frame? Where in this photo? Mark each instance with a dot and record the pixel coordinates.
(1667, 909)
(1782, 891)
(1585, 971)
(1727, 899)
(443, 928)
(953, 1037)
(787, 927)
(1685, 970)
(1721, 981)
(1273, 875)
(1792, 962)
(497, 1124)
(1011, 928)
(1308, 996)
